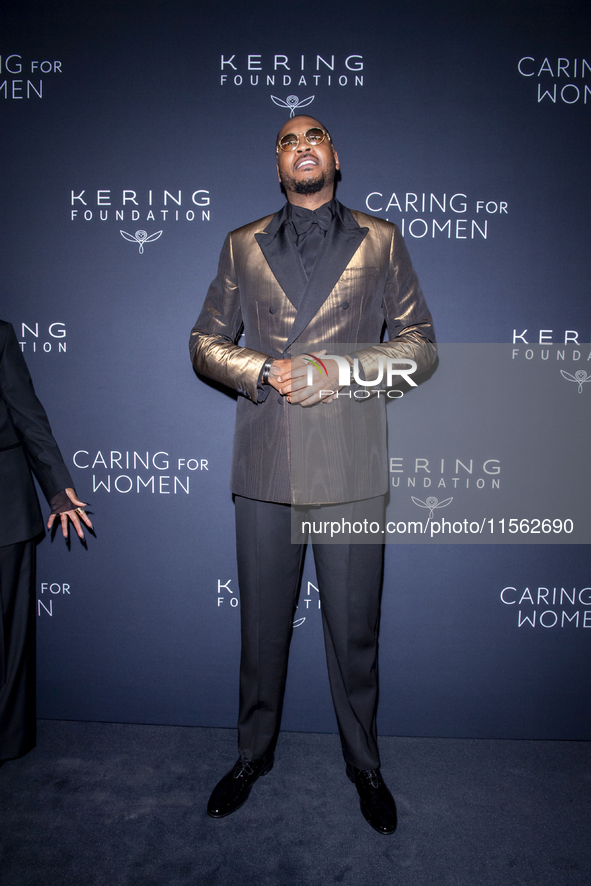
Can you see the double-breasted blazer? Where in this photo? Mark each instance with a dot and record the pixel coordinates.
(26, 444)
(363, 282)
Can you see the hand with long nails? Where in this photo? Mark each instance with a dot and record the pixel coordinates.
(75, 515)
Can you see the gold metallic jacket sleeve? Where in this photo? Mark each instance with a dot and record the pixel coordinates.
(409, 323)
(213, 347)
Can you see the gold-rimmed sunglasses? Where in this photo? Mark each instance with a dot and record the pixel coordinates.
(314, 136)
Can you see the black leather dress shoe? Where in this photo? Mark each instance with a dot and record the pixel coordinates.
(232, 791)
(376, 801)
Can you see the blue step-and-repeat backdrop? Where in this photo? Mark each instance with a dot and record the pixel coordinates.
(133, 137)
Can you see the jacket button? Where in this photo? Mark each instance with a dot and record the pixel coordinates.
(272, 310)
(280, 400)
(345, 305)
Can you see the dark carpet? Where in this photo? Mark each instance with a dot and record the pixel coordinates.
(101, 803)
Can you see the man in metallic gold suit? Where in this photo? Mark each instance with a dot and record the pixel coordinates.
(310, 278)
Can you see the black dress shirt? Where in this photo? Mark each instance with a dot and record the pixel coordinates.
(309, 227)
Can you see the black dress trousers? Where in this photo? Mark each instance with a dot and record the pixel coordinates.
(349, 583)
(17, 649)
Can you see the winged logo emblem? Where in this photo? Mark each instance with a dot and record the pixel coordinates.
(293, 103)
(432, 503)
(580, 377)
(141, 237)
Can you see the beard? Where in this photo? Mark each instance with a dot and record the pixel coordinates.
(310, 185)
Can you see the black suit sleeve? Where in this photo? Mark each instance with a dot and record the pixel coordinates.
(23, 418)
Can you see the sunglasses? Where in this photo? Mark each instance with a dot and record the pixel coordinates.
(314, 136)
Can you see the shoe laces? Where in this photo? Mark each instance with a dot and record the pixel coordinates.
(243, 767)
(371, 776)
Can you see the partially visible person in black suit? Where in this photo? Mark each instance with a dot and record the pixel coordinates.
(26, 445)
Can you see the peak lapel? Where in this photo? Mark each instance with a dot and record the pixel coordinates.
(342, 242)
(283, 258)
